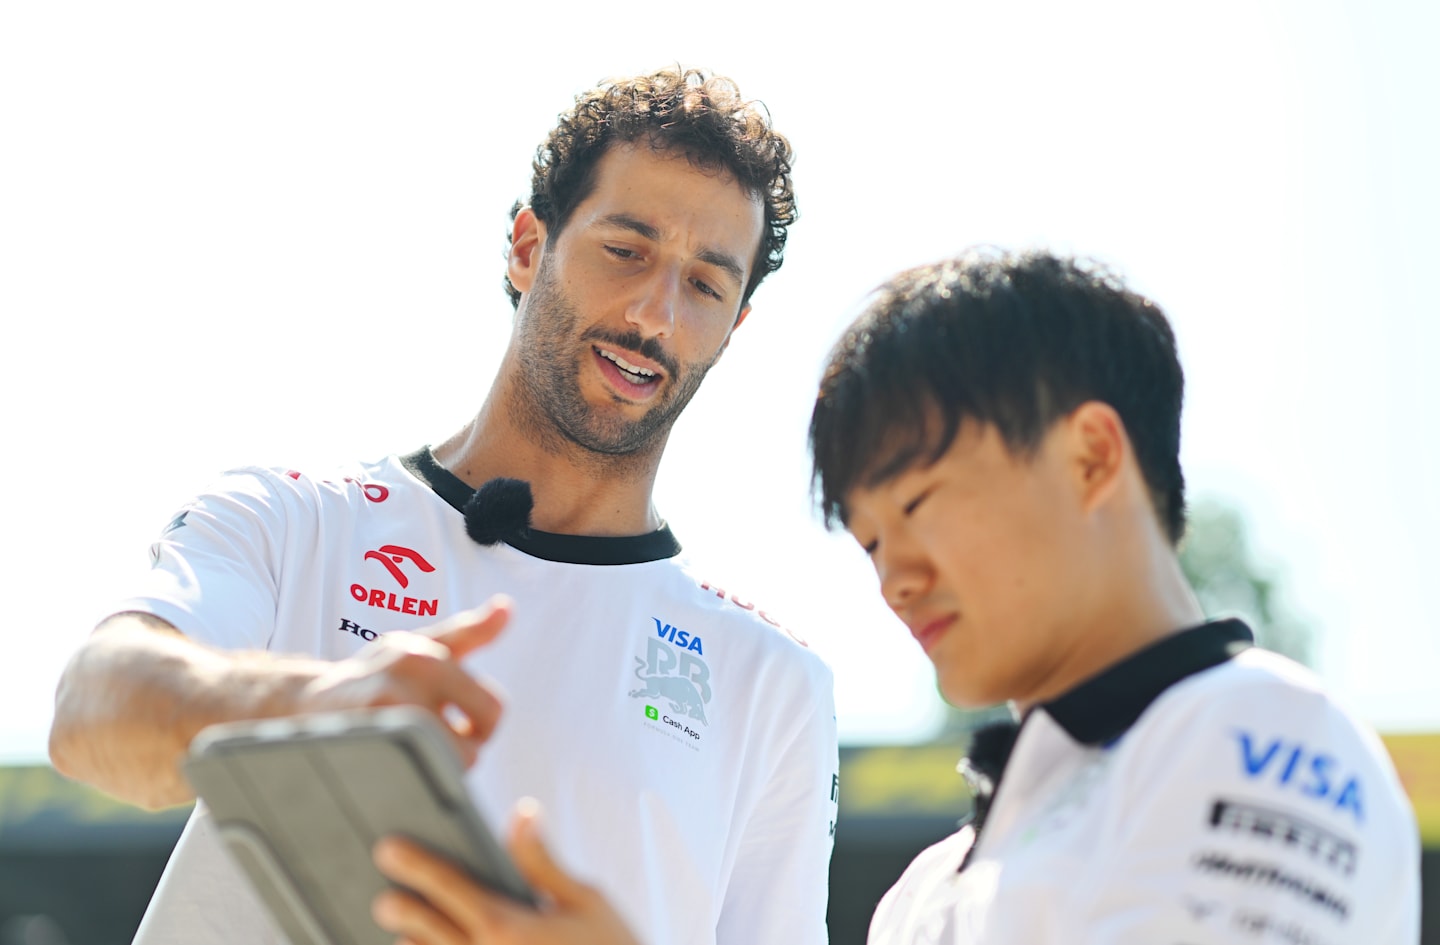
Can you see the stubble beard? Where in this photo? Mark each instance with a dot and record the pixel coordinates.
(548, 394)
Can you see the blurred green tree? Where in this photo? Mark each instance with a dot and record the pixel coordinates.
(1217, 560)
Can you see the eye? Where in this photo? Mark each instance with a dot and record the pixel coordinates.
(621, 252)
(914, 503)
(868, 546)
(706, 290)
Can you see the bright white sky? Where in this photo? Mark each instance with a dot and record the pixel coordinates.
(272, 232)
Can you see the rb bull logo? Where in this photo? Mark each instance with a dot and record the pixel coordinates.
(678, 676)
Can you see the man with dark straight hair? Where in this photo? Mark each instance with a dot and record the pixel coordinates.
(682, 741)
(1001, 433)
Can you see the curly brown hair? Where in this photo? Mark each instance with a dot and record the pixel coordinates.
(702, 116)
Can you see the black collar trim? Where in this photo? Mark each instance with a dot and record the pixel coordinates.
(1103, 708)
(569, 549)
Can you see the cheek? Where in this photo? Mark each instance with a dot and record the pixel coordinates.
(703, 333)
(1000, 561)
(967, 539)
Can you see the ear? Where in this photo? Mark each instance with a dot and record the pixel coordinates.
(1098, 452)
(527, 244)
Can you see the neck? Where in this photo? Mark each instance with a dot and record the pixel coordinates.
(577, 491)
(1139, 597)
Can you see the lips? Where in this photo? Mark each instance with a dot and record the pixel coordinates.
(631, 375)
(930, 632)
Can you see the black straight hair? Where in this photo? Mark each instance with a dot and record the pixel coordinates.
(1013, 340)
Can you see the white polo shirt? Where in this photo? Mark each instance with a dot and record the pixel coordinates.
(681, 741)
(1201, 791)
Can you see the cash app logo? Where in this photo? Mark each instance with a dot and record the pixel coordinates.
(651, 712)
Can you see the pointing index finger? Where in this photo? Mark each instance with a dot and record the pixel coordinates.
(471, 629)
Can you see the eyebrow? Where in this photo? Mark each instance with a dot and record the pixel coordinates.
(713, 257)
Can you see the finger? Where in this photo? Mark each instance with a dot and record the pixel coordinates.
(467, 738)
(448, 890)
(418, 922)
(437, 681)
(466, 747)
(535, 862)
(479, 706)
(472, 629)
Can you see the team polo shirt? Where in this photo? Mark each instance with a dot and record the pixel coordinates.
(682, 742)
(1202, 791)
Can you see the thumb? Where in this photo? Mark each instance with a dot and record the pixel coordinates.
(472, 629)
(535, 862)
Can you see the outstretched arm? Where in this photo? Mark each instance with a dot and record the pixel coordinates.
(138, 691)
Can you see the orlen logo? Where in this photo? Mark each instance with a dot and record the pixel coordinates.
(392, 557)
(1292, 765)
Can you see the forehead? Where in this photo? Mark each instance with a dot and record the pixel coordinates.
(886, 444)
(886, 473)
(976, 458)
(680, 200)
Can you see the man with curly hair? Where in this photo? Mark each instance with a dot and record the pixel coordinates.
(682, 742)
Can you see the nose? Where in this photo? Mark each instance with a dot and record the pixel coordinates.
(652, 311)
(905, 572)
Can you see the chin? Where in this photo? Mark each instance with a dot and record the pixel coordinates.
(961, 696)
(966, 694)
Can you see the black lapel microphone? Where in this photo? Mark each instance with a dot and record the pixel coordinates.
(499, 510)
(982, 767)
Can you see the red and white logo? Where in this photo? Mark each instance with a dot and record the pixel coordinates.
(723, 594)
(374, 491)
(393, 557)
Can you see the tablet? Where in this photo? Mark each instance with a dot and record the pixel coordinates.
(299, 802)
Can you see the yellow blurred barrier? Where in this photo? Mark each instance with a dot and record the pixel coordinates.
(875, 782)
(920, 780)
(902, 781)
(1417, 759)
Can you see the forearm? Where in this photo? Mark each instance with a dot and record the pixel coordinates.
(137, 692)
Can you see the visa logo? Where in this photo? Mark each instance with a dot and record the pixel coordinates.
(1292, 765)
(677, 636)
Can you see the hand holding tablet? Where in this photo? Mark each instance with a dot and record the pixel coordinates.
(300, 803)
(443, 906)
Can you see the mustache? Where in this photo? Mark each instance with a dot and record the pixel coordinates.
(634, 341)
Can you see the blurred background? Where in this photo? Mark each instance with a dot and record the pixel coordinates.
(273, 233)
